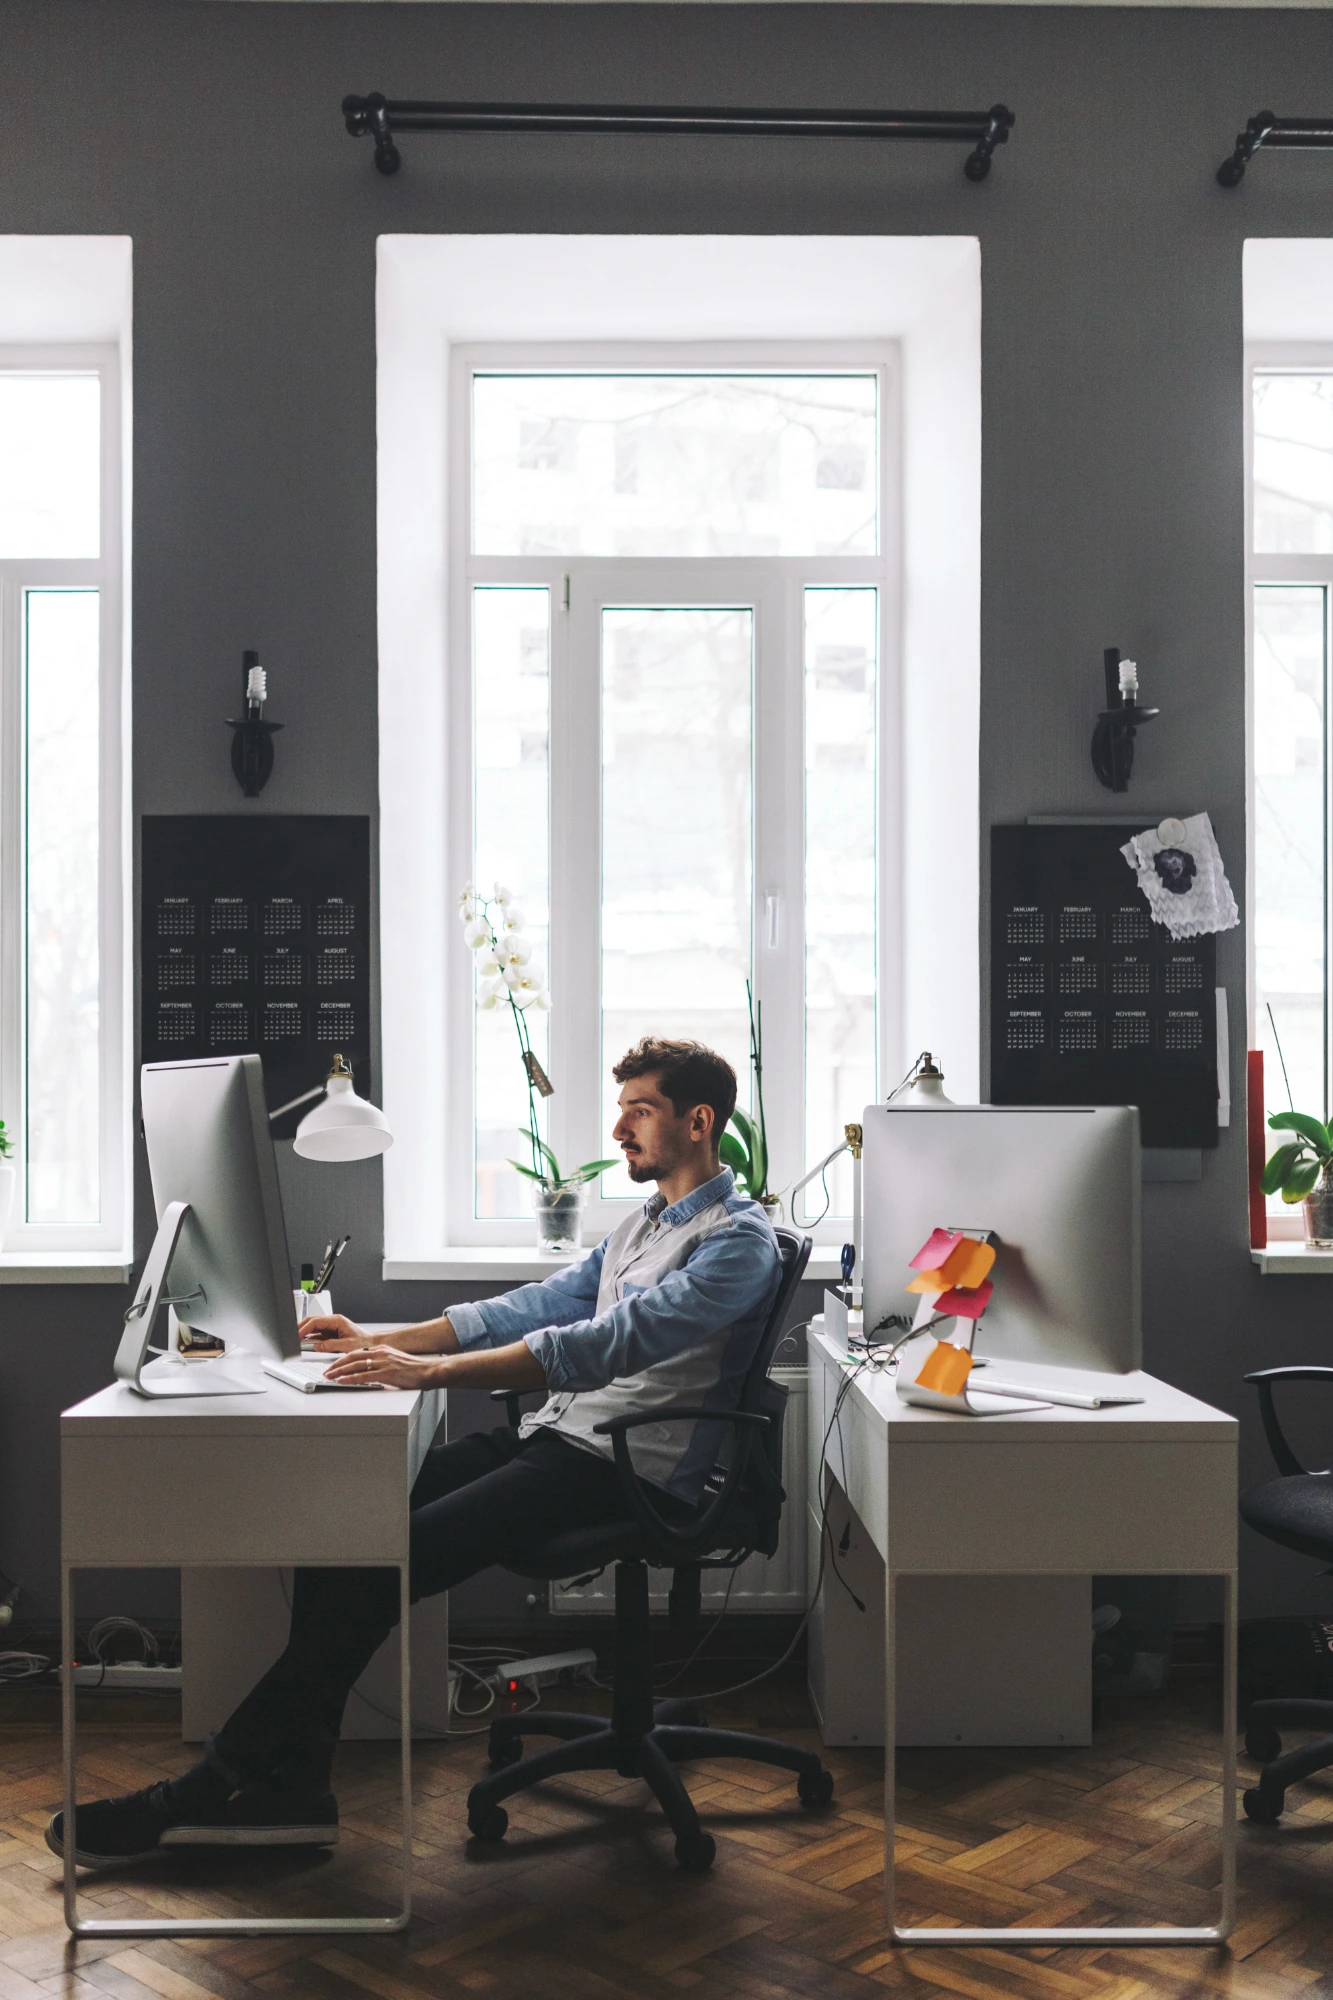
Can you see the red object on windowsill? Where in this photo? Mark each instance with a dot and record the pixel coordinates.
(1254, 1125)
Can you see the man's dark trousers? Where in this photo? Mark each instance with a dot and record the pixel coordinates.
(481, 1500)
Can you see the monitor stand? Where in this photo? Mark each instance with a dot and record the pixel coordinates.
(201, 1378)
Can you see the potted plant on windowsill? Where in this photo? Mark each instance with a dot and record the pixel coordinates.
(744, 1145)
(493, 930)
(8, 1176)
(1302, 1171)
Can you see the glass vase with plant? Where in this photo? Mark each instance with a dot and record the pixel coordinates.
(1302, 1170)
(744, 1145)
(507, 977)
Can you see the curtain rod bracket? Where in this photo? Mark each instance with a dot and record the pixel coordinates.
(380, 117)
(1266, 129)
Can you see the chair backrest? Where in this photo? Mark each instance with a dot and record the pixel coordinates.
(769, 1398)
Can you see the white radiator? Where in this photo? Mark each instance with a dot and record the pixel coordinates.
(764, 1583)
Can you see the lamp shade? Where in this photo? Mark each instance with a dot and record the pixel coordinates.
(342, 1126)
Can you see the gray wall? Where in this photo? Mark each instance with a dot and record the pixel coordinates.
(1112, 505)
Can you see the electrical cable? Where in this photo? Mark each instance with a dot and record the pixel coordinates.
(20, 1666)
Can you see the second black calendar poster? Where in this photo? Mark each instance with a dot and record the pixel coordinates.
(256, 937)
(1092, 1002)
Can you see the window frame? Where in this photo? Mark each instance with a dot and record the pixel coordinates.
(775, 583)
(49, 1244)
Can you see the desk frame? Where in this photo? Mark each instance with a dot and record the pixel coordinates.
(155, 1927)
(1073, 1934)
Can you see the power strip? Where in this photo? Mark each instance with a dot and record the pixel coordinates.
(544, 1669)
(128, 1674)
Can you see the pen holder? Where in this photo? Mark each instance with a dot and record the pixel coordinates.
(313, 1305)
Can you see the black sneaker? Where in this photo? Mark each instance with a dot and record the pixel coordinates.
(263, 1815)
(114, 1833)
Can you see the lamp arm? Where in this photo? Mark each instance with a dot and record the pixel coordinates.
(295, 1103)
(827, 1160)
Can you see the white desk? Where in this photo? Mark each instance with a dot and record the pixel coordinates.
(221, 1481)
(1056, 1494)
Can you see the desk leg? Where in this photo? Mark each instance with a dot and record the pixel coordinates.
(1108, 1934)
(157, 1927)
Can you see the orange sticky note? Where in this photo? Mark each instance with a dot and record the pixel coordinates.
(966, 1264)
(946, 1370)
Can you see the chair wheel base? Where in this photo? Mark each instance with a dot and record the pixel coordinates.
(815, 1788)
(695, 1852)
(509, 1750)
(488, 1822)
(1262, 1743)
(1263, 1807)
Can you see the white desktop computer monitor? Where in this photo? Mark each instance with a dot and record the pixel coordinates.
(1059, 1185)
(221, 1251)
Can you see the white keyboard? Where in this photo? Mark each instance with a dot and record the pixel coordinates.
(306, 1372)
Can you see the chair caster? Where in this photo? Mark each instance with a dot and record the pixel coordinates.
(695, 1852)
(487, 1822)
(815, 1788)
(1262, 1742)
(1263, 1807)
(688, 1713)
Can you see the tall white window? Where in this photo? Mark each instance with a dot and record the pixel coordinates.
(671, 703)
(62, 960)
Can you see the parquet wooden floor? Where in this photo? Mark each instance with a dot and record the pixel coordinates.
(583, 1899)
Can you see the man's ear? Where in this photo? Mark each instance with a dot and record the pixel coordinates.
(701, 1120)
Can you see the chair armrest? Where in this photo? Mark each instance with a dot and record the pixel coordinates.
(675, 1546)
(510, 1398)
(1263, 1378)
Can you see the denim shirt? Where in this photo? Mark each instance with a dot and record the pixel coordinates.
(666, 1312)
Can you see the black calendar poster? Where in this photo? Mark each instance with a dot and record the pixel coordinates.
(256, 937)
(1092, 1002)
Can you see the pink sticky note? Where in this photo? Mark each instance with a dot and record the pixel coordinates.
(965, 1305)
(934, 1250)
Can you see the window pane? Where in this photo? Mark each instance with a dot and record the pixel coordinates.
(511, 846)
(841, 652)
(62, 1121)
(1293, 464)
(1290, 896)
(50, 465)
(675, 465)
(676, 835)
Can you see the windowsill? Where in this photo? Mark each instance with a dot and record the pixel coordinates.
(64, 1267)
(1293, 1260)
(515, 1265)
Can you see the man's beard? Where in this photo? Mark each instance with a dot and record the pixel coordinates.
(640, 1170)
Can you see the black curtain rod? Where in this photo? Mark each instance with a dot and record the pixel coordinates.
(381, 117)
(1265, 129)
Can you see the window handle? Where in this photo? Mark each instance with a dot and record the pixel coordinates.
(773, 919)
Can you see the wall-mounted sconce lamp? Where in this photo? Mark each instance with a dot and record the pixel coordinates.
(252, 744)
(1113, 737)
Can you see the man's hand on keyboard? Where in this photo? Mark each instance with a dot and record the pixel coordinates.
(334, 1333)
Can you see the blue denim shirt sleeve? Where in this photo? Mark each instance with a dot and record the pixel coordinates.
(731, 1276)
(565, 1297)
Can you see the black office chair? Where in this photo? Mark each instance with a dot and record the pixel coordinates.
(740, 1514)
(1296, 1511)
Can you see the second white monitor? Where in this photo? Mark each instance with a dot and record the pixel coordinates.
(1059, 1186)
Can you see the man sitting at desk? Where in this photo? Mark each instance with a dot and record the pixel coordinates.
(664, 1314)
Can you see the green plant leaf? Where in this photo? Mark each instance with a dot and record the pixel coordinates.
(756, 1165)
(732, 1154)
(1309, 1128)
(520, 1169)
(588, 1172)
(1299, 1184)
(1278, 1166)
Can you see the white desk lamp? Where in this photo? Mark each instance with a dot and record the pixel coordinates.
(342, 1127)
(850, 1143)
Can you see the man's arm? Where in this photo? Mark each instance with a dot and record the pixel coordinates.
(334, 1333)
(512, 1367)
(566, 1296)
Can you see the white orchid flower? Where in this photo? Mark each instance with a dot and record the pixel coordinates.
(514, 919)
(488, 967)
(493, 988)
(476, 933)
(513, 949)
(467, 893)
(504, 897)
(526, 990)
(467, 908)
(513, 976)
(542, 1000)
(488, 1002)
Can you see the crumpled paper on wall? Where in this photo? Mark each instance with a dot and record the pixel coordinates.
(1183, 878)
